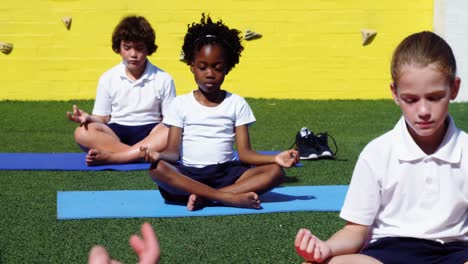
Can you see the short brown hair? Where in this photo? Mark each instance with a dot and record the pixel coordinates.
(422, 49)
(134, 28)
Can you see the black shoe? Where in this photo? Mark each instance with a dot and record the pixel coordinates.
(306, 144)
(324, 151)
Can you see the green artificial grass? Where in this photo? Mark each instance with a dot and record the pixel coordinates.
(30, 233)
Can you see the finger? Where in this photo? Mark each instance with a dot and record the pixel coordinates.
(70, 116)
(304, 243)
(151, 251)
(293, 154)
(305, 240)
(146, 152)
(317, 253)
(299, 236)
(296, 155)
(293, 157)
(137, 244)
(297, 243)
(98, 255)
(151, 241)
(76, 111)
(73, 118)
(310, 251)
(142, 152)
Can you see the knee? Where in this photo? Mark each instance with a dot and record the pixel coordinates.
(80, 134)
(277, 171)
(159, 171)
(86, 134)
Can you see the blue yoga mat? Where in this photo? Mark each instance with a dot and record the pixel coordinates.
(66, 162)
(58, 161)
(149, 203)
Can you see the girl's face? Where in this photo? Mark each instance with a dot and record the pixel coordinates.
(209, 68)
(423, 94)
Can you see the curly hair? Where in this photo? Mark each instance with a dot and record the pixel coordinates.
(209, 32)
(134, 28)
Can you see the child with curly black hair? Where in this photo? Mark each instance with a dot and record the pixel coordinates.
(199, 166)
(131, 100)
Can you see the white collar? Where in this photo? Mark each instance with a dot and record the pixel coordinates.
(147, 74)
(448, 151)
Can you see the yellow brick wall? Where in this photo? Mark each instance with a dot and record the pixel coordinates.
(310, 49)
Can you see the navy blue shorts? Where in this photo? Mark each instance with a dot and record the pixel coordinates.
(414, 250)
(131, 135)
(216, 176)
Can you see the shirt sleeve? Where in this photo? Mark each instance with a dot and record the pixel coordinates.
(362, 201)
(103, 101)
(244, 114)
(168, 96)
(175, 114)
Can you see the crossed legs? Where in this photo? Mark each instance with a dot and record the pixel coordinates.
(105, 147)
(243, 193)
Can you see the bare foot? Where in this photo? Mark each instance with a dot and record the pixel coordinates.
(245, 200)
(195, 202)
(97, 157)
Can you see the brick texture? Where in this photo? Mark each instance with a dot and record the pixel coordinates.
(310, 49)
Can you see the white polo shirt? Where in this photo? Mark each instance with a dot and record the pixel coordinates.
(400, 191)
(134, 103)
(208, 132)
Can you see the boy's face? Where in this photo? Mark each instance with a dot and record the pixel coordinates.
(133, 54)
(209, 68)
(423, 94)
